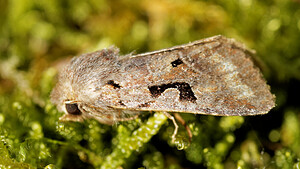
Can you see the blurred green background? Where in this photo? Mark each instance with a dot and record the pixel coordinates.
(36, 35)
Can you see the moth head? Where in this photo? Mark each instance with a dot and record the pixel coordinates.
(63, 97)
(76, 92)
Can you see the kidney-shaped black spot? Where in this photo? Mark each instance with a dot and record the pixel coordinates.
(186, 92)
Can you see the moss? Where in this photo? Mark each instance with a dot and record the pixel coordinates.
(36, 37)
(7, 162)
(127, 142)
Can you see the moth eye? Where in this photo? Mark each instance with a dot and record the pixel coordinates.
(115, 85)
(73, 109)
(176, 62)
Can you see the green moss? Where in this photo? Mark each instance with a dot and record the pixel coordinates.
(285, 159)
(154, 160)
(290, 133)
(7, 162)
(128, 143)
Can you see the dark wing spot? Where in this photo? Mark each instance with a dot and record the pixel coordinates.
(186, 92)
(73, 109)
(115, 85)
(176, 62)
(144, 105)
(121, 103)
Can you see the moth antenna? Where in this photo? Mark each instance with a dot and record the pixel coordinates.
(182, 122)
(175, 125)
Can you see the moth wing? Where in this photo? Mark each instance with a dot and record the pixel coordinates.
(213, 76)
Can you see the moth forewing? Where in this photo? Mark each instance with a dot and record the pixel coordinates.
(213, 76)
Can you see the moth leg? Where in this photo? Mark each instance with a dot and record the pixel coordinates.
(175, 125)
(182, 122)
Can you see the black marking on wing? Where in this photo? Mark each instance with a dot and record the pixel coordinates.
(144, 105)
(176, 62)
(186, 93)
(121, 103)
(115, 85)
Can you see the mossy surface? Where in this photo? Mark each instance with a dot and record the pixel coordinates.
(37, 36)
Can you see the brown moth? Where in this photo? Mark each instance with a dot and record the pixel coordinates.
(213, 76)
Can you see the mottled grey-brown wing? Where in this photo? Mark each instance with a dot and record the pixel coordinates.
(213, 76)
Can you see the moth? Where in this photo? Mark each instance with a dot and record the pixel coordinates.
(212, 76)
